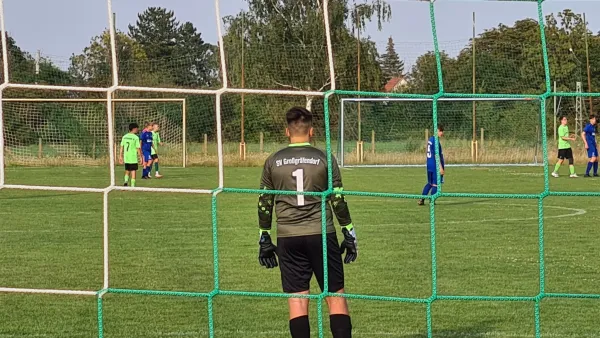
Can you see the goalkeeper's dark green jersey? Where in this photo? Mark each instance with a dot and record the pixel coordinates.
(300, 167)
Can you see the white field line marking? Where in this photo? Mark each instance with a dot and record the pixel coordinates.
(355, 332)
(575, 212)
(48, 291)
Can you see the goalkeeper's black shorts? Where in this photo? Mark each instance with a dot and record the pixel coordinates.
(302, 256)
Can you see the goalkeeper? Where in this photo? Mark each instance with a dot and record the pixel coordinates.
(300, 167)
(564, 148)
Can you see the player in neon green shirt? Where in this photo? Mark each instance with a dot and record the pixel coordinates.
(564, 148)
(155, 143)
(131, 149)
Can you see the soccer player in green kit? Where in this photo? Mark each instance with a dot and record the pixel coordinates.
(564, 148)
(131, 147)
(301, 167)
(154, 153)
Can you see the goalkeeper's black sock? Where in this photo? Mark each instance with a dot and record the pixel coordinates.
(341, 326)
(300, 327)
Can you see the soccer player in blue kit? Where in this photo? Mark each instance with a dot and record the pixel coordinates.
(589, 139)
(431, 172)
(146, 139)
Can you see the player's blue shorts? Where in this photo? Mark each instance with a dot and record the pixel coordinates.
(592, 152)
(432, 178)
(147, 155)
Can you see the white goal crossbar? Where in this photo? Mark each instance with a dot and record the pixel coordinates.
(426, 99)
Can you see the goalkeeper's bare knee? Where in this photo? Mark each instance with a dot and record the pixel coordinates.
(337, 305)
(298, 306)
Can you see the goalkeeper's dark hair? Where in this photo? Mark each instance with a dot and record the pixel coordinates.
(299, 120)
(562, 117)
(440, 127)
(132, 126)
(592, 117)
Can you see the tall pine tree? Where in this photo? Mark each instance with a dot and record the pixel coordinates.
(175, 49)
(391, 65)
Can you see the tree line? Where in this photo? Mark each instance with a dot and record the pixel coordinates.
(282, 45)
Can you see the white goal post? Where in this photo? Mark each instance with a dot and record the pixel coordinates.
(393, 132)
(127, 109)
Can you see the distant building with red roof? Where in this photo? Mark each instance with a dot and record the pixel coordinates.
(395, 84)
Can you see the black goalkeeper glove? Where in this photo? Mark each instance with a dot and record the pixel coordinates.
(266, 252)
(349, 244)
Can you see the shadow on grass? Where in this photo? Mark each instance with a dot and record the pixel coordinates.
(482, 329)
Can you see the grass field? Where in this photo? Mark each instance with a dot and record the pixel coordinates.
(484, 247)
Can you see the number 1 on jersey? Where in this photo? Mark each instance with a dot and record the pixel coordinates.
(299, 175)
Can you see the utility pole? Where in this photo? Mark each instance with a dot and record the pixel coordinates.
(242, 141)
(358, 69)
(474, 139)
(555, 110)
(38, 57)
(359, 143)
(587, 56)
(579, 107)
(112, 95)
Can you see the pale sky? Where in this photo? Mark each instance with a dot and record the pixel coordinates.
(61, 27)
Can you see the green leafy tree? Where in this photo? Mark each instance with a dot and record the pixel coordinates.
(566, 47)
(282, 45)
(22, 68)
(509, 60)
(93, 65)
(391, 65)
